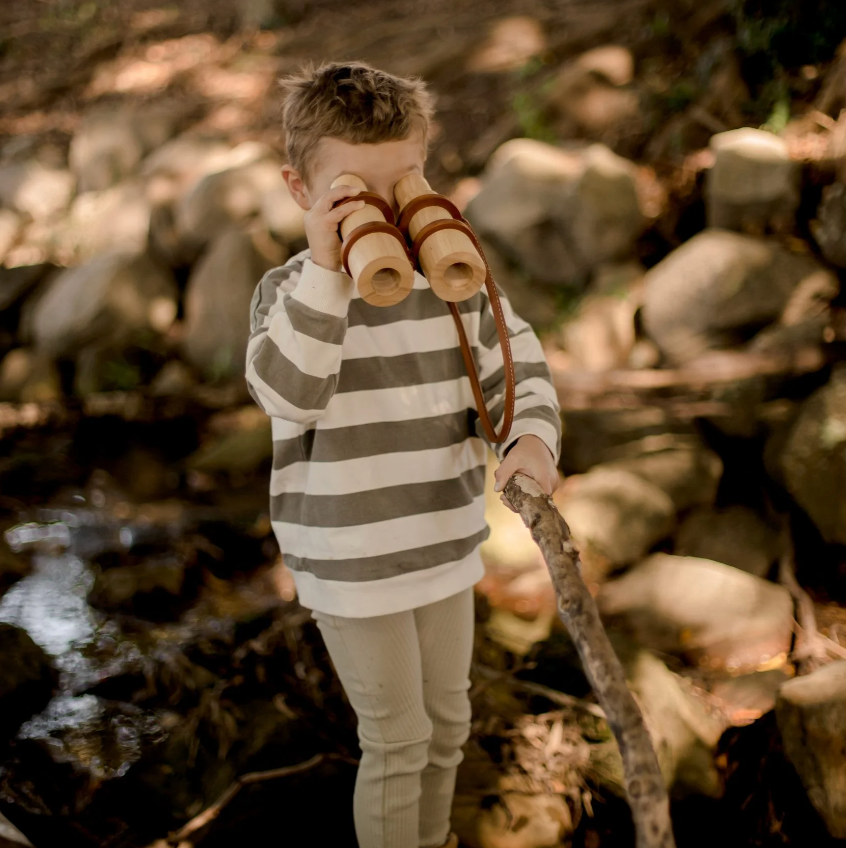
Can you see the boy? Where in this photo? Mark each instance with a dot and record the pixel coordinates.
(377, 488)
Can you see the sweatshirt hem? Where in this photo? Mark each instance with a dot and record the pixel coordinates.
(391, 594)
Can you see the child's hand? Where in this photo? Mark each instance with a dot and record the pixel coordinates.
(531, 457)
(321, 225)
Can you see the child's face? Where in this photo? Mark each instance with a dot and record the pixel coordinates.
(381, 166)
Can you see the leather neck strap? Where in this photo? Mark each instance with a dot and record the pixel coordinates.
(457, 222)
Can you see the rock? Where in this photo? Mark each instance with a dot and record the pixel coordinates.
(110, 298)
(217, 304)
(224, 198)
(28, 377)
(116, 219)
(17, 283)
(735, 535)
(601, 335)
(10, 227)
(110, 143)
(684, 733)
(34, 190)
(520, 820)
(811, 714)
(813, 458)
(829, 228)
(615, 517)
(558, 213)
(683, 468)
(711, 614)
(589, 99)
(27, 679)
(754, 184)
(592, 436)
(718, 288)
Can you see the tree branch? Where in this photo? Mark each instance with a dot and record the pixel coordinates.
(644, 784)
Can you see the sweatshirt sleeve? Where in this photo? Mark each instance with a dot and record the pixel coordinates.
(536, 409)
(298, 320)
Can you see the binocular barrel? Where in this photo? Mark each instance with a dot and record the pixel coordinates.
(448, 258)
(378, 261)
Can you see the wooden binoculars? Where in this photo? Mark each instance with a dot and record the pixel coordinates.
(380, 254)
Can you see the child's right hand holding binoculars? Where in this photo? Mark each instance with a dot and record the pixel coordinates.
(321, 225)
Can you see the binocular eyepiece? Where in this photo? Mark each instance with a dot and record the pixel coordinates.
(381, 254)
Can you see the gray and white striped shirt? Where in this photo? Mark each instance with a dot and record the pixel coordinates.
(377, 487)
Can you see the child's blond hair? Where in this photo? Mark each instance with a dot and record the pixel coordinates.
(351, 102)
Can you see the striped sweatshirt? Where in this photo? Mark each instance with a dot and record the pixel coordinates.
(377, 486)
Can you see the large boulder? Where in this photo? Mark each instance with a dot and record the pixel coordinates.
(110, 298)
(711, 614)
(811, 715)
(217, 303)
(813, 458)
(683, 468)
(720, 287)
(110, 143)
(559, 212)
(117, 218)
(615, 517)
(221, 199)
(735, 535)
(754, 184)
(35, 190)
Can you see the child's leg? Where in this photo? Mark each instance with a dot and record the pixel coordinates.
(445, 631)
(378, 662)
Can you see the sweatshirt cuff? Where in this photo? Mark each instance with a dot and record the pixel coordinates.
(324, 290)
(535, 427)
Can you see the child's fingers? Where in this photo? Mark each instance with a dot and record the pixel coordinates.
(336, 215)
(338, 193)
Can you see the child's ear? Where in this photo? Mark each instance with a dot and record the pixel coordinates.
(296, 185)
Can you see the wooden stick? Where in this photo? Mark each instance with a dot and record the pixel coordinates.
(450, 261)
(211, 813)
(645, 788)
(378, 261)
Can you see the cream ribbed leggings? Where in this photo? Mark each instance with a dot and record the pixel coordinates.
(407, 676)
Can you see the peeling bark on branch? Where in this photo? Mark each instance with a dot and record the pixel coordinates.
(645, 788)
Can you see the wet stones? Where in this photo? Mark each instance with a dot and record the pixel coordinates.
(811, 714)
(27, 679)
(713, 615)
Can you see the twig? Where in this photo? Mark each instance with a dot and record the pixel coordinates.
(560, 698)
(645, 788)
(211, 813)
(811, 648)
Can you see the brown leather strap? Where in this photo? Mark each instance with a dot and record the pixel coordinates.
(457, 222)
(366, 230)
(371, 199)
(424, 201)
